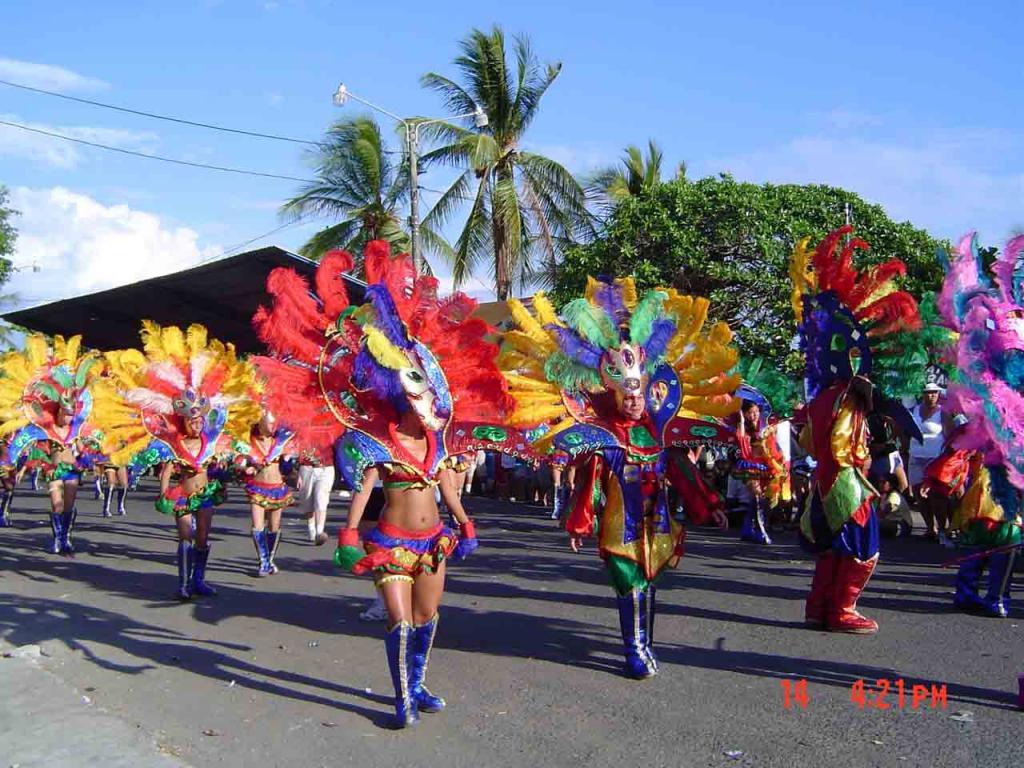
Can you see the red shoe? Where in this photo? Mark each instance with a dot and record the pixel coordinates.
(821, 589)
(851, 577)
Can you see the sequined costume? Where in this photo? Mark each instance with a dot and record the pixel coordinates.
(346, 376)
(847, 320)
(39, 388)
(253, 456)
(145, 406)
(622, 379)
(988, 389)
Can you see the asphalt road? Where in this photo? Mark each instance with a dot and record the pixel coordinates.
(280, 671)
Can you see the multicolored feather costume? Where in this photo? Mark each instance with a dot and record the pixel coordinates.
(342, 375)
(562, 367)
(988, 379)
(147, 397)
(41, 381)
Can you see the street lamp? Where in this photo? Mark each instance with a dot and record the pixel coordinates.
(412, 138)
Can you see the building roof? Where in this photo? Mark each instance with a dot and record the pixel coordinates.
(222, 295)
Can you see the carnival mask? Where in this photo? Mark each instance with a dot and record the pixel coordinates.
(622, 372)
(420, 393)
(843, 350)
(191, 404)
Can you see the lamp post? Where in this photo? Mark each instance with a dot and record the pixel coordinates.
(412, 139)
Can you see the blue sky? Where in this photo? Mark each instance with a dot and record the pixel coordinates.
(916, 107)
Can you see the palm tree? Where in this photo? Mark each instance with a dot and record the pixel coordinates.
(524, 207)
(362, 184)
(635, 174)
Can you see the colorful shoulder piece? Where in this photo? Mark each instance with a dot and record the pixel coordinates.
(339, 370)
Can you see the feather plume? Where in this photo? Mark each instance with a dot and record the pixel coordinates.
(647, 312)
(591, 324)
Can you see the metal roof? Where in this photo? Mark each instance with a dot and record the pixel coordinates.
(222, 295)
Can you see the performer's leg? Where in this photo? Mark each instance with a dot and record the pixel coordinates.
(852, 575)
(273, 536)
(426, 597)
(5, 507)
(259, 539)
(56, 493)
(185, 557)
(754, 528)
(70, 513)
(109, 476)
(822, 585)
(321, 501)
(1000, 573)
(122, 490)
(397, 593)
(201, 554)
(631, 597)
(97, 486)
(966, 597)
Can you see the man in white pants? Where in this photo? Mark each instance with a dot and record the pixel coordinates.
(314, 494)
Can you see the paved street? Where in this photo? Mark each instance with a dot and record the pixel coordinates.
(280, 671)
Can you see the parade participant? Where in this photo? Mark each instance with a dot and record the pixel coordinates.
(313, 487)
(396, 385)
(264, 458)
(9, 475)
(116, 482)
(845, 319)
(615, 374)
(179, 403)
(46, 406)
(988, 389)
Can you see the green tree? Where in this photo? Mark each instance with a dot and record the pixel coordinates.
(525, 208)
(634, 174)
(8, 235)
(731, 242)
(362, 184)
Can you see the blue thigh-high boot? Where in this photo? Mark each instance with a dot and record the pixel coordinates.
(199, 585)
(966, 597)
(5, 509)
(57, 526)
(259, 539)
(633, 621)
(67, 547)
(107, 493)
(754, 528)
(273, 540)
(122, 493)
(185, 563)
(420, 643)
(396, 644)
(1000, 572)
(651, 610)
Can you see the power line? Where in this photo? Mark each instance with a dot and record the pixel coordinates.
(172, 160)
(168, 118)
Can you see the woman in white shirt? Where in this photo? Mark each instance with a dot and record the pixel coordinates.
(932, 422)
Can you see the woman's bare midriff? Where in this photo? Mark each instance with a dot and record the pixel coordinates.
(413, 509)
(270, 474)
(192, 482)
(62, 455)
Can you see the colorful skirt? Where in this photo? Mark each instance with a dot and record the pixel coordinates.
(60, 472)
(270, 496)
(176, 503)
(395, 554)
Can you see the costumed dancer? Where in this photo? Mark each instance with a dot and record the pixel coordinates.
(397, 383)
(988, 389)
(46, 406)
(847, 320)
(116, 483)
(8, 482)
(180, 402)
(264, 459)
(617, 376)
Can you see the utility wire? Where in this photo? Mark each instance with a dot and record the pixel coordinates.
(168, 118)
(172, 160)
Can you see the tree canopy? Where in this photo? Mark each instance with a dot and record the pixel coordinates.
(730, 241)
(7, 236)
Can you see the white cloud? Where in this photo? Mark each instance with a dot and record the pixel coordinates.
(16, 142)
(48, 77)
(947, 183)
(82, 246)
(578, 158)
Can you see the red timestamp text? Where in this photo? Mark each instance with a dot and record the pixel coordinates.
(897, 694)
